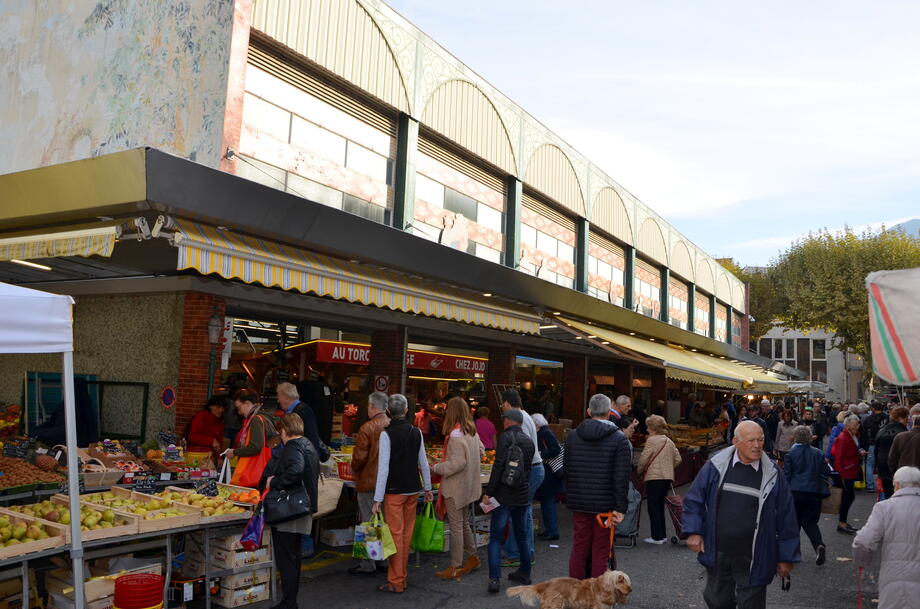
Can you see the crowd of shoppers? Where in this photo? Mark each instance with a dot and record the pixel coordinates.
(742, 514)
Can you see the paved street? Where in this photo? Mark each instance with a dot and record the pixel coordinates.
(663, 577)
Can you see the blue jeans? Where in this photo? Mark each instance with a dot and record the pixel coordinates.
(511, 547)
(870, 465)
(547, 492)
(500, 517)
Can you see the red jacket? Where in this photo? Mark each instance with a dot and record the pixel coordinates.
(204, 429)
(846, 456)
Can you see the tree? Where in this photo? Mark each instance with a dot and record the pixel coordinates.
(820, 282)
(764, 303)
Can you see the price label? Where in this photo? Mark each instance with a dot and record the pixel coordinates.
(15, 452)
(187, 593)
(65, 486)
(165, 476)
(145, 484)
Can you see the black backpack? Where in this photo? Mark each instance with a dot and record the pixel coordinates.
(513, 475)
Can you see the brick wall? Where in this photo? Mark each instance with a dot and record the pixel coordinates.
(622, 379)
(388, 358)
(194, 355)
(574, 388)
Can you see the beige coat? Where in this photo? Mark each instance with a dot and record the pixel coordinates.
(662, 468)
(891, 533)
(460, 469)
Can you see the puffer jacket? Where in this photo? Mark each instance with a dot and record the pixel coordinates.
(662, 466)
(892, 529)
(367, 452)
(883, 441)
(460, 480)
(806, 470)
(776, 538)
(506, 495)
(597, 464)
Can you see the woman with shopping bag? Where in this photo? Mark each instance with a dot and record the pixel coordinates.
(252, 449)
(289, 484)
(460, 486)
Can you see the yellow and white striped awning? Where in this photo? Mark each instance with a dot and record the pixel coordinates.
(98, 241)
(685, 365)
(231, 255)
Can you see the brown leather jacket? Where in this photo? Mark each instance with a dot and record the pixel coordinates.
(367, 451)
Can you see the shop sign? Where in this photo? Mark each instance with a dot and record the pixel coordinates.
(344, 353)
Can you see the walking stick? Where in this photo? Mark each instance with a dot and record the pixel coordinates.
(606, 521)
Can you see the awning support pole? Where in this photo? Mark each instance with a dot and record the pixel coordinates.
(73, 481)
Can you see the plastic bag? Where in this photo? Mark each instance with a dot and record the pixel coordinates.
(377, 539)
(428, 535)
(252, 533)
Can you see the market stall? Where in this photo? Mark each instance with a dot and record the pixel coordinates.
(39, 322)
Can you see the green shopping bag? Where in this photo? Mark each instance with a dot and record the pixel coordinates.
(428, 535)
(358, 549)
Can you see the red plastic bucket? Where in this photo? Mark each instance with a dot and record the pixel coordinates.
(138, 591)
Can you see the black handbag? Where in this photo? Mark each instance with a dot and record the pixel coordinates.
(283, 505)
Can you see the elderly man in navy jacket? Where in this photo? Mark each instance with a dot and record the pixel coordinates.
(740, 518)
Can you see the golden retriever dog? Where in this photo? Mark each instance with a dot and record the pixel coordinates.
(611, 588)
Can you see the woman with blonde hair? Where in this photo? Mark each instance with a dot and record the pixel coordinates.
(460, 485)
(656, 468)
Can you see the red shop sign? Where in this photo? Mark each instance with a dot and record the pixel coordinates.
(350, 353)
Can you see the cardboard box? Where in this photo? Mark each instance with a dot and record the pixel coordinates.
(482, 539)
(222, 558)
(248, 579)
(227, 597)
(230, 542)
(11, 593)
(338, 537)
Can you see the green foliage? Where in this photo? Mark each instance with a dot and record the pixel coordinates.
(765, 304)
(819, 282)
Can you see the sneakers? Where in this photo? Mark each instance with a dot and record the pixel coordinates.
(656, 542)
(494, 586)
(519, 577)
(822, 555)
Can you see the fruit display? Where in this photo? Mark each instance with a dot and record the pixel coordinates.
(103, 521)
(9, 420)
(488, 458)
(21, 534)
(17, 472)
(129, 466)
(252, 497)
(154, 513)
(211, 507)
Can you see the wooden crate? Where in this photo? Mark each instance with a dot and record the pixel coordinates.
(220, 518)
(56, 539)
(191, 516)
(128, 523)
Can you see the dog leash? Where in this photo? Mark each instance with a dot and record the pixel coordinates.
(606, 521)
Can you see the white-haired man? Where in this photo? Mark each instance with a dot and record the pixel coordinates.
(892, 530)
(598, 462)
(619, 414)
(289, 400)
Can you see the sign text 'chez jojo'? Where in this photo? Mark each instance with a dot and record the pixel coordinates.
(338, 353)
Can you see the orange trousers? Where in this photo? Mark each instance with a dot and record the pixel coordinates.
(399, 512)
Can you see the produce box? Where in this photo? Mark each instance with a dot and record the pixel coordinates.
(213, 509)
(153, 516)
(28, 532)
(338, 537)
(222, 558)
(56, 510)
(19, 476)
(11, 593)
(248, 578)
(228, 597)
(229, 542)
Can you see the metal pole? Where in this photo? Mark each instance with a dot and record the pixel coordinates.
(73, 482)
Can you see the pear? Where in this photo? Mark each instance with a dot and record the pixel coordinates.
(53, 516)
(65, 518)
(33, 531)
(19, 532)
(12, 542)
(43, 535)
(4, 521)
(5, 533)
(108, 516)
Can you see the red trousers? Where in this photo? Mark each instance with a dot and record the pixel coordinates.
(590, 546)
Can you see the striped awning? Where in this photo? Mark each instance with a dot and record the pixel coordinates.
(231, 255)
(97, 241)
(894, 325)
(690, 366)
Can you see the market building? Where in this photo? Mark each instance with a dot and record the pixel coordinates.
(234, 190)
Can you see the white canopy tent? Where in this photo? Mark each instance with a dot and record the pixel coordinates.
(39, 322)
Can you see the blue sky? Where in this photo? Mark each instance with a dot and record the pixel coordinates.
(744, 124)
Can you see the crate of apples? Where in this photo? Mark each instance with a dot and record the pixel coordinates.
(21, 534)
(155, 513)
(94, 523)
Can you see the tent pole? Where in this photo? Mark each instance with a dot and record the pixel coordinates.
(73, 480)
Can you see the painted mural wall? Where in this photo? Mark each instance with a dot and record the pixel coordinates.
(116, 338)
(83, 78)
